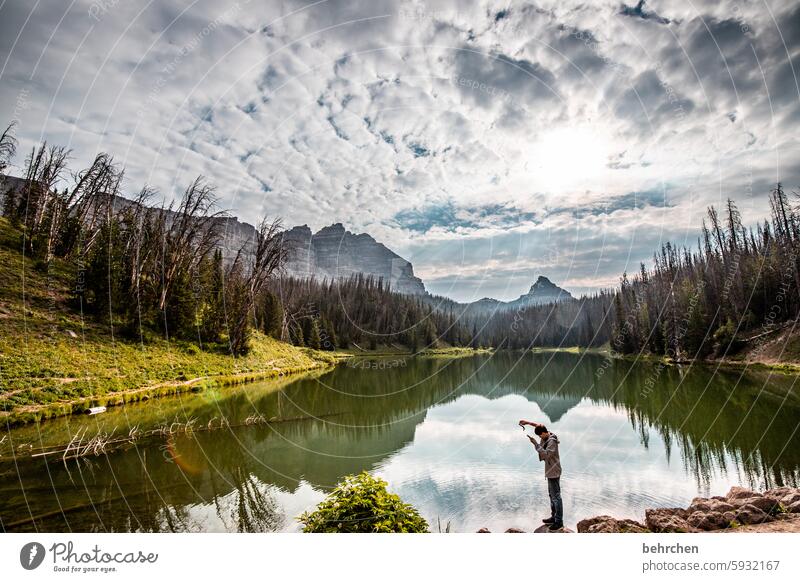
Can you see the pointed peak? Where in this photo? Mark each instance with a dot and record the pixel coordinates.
(543, 283)
(544, 291)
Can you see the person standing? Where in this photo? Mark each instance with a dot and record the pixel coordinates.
(547, 447)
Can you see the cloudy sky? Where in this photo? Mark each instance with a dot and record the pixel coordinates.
(487, 142)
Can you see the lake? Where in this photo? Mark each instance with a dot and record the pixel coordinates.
(442, 431)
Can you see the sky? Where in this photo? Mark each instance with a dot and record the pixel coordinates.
(486, 142)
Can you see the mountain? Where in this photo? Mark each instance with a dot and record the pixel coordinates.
(542, 292)
(334, 253)
(331, 253)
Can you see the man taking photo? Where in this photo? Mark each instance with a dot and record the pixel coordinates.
(547, 447)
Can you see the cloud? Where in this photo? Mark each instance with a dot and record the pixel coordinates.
(485, 141)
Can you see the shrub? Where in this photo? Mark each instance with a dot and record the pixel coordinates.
(361, 504)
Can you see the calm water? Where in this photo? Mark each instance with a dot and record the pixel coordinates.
(442, 432)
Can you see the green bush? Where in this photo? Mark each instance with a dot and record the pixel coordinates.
(361, 504)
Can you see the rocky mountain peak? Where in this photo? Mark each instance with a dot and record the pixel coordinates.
(333, 252)
(544, 291)
(544, 284)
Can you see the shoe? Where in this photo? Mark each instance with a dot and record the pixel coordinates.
(548, 520)
(555, 526)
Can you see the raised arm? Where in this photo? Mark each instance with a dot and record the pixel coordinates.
(529, 423)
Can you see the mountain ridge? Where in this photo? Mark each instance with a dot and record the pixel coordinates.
(333, 252)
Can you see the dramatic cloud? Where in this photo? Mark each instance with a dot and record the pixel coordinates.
(488, 141)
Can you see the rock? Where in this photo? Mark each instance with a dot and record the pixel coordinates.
(483, 530)
(72, 334)
(790, 498)
(729, 517)
(546, 529)
(720, 505)
(514, 530)
(607, 524)
(793, 507)
(740, 493)
(666, 520)
(749, 514)
(780, 492)
(707, 521)
(765, 504)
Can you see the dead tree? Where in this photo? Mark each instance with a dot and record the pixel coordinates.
(247, 277)
(8, 146)
(188, 235)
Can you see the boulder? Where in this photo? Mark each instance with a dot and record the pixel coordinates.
(790, 498)
(749, 514)
(741, 493)
(607, 524)
(718, 505)
(765, 504)
(707, 520)
(780, 492)
(666, 520)
(483, 530)
(514, 530)
(793, 507)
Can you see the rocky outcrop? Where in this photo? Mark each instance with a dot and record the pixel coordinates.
(663, 520)
(607, 524)
(336, 253)
(740, 507)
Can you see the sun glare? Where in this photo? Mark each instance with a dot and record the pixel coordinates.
(569, 157)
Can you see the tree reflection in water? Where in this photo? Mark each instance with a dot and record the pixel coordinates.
(719, 422)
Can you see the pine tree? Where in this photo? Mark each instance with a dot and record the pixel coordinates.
(313, 339)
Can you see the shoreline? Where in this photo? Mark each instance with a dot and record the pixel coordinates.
(34, 413)
(741, 510)
(776, 509)
(789, 367)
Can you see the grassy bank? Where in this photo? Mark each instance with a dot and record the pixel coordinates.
(53, 361)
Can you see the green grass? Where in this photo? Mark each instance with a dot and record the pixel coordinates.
(452, 352)
(55, 362)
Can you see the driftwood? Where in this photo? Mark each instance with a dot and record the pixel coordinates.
(104, 443)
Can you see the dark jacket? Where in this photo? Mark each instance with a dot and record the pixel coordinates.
(548, 452)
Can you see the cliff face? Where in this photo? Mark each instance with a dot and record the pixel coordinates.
(336, 253)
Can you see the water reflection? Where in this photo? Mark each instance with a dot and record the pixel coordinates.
(442, 432)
